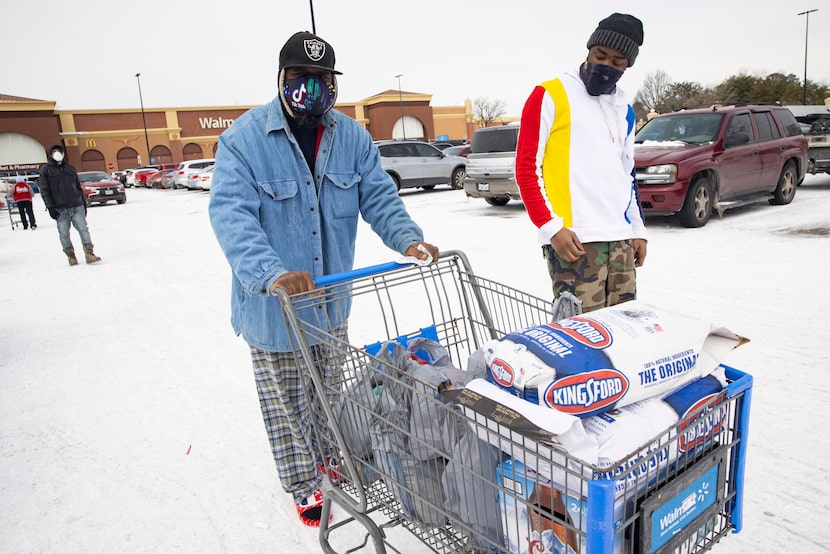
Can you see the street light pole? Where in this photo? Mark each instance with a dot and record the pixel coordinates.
(313, 28)
(400, 98)
(143, 119)
(806, 33)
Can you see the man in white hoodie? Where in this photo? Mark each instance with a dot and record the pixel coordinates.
(575, 171)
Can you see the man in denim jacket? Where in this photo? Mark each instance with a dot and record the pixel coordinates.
(290, 181)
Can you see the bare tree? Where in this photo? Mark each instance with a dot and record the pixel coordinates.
(485, 111)
(654, 89)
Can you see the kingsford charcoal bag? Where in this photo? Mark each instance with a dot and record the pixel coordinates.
(587, 364)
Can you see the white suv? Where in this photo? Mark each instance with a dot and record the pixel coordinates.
(413, 163)
(188, 167)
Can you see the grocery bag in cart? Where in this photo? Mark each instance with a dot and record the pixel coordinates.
(420, 448)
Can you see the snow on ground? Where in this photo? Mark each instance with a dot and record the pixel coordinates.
(128, 415)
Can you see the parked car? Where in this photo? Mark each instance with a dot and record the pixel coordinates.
(187, 167)
(140, 173)
(817, 127)
(205, 178)
(194, 180)
(168, 179)
(417, 164)
(100, 188)
(129, 178)
(462, 150)
(491, 172)
(441, 145)
(696, 162)
(154, 180)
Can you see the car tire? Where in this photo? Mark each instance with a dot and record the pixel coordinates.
(397, 181)
(497, 200)
(697, 208)
(787, 183)
(120, 201)
(457, 180)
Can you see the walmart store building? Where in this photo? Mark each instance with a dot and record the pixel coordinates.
(111, 140)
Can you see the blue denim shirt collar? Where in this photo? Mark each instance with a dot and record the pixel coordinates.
(270, 214)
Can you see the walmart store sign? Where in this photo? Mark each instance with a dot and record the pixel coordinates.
(215, 122)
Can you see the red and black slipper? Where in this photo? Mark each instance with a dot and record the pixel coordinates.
(310, 509)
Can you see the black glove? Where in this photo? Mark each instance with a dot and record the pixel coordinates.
(53, 213)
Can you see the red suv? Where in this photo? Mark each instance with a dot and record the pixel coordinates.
(694, 162)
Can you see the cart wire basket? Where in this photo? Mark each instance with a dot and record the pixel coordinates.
(404, 446)
(14, 213)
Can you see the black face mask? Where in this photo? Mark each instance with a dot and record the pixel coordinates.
(599, 78)
(308, 97)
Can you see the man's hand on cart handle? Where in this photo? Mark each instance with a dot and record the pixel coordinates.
(293, 282)
(423, 251)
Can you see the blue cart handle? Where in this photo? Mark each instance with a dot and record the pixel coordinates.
(357, 273)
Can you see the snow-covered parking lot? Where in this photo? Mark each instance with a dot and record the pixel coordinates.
(129, 420)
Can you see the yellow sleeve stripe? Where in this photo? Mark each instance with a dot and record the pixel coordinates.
(556, 164)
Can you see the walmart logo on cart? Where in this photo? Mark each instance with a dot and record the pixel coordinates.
(679, 513)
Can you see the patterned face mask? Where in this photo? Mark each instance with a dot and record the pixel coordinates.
(599, 78)
(309, 95)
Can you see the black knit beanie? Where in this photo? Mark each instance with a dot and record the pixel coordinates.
(620, 31)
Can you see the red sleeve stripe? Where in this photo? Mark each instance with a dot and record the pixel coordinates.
(530, 151)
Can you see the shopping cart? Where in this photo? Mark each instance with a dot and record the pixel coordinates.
(404, 450)
(14, 212)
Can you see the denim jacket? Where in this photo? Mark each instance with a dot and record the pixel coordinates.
(271, 215)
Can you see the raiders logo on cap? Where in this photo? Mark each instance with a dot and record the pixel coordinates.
(315, 49)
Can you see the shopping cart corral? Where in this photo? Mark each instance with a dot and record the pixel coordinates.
(416, 449)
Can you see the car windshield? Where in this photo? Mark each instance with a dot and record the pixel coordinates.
(497, 139)
(689, 128)
(93, 177)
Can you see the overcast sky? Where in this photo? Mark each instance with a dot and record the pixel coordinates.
(85, 54)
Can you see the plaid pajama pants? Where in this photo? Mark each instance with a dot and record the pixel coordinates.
(286, 405)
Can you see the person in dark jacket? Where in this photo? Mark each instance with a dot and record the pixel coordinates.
(64, 199)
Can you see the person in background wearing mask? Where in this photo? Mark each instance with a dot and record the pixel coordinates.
(61, 191)
(22, 194)
(290, 181)
(575, 171)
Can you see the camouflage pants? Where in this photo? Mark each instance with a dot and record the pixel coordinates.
(604, 276)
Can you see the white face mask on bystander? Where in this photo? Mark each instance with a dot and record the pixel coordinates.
(57, 156)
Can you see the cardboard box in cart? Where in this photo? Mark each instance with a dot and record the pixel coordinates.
(542, 524)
